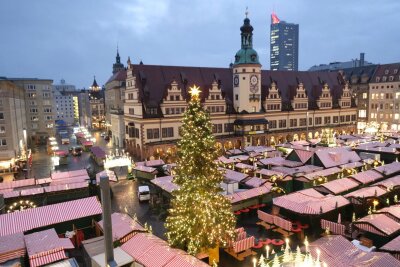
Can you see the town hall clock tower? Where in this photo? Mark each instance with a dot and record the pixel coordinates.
(247, 73)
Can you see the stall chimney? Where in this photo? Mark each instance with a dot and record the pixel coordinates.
(107, 227)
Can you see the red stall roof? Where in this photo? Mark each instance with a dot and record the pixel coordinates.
(379, 224)
(122, 225)
(34, 218)
(12, 247)
(335, 250)
(309, 201)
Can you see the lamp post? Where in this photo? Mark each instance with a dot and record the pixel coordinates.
(26, 151)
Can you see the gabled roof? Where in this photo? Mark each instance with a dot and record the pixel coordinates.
(153, 80)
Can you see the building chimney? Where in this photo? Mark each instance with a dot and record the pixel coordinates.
(362, 55)
(107, 227)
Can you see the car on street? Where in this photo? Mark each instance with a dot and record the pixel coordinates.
(77, 151)
(143, 193)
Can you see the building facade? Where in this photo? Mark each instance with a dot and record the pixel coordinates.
(66, 106)
(97, 106)
(247, 105)
(114, 103)
(284, 45)
(13, 124)
(384, 97)
(335, 66)
(40, 116)
(359, 78)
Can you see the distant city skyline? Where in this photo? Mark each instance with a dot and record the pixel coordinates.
(74, 42)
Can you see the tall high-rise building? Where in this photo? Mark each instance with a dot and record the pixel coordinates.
(284, 52)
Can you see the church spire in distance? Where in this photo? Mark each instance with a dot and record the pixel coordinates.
(117, 66)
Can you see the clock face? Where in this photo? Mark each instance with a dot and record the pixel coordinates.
(254, 80)
(236, 80)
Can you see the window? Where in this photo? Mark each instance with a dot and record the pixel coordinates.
(293, 122)
(31, 95)
(347, 117)
(2, 129)
(171, 97)
(48, 118)
(362, 113)
(167, 132)
(364, 95)
(236, 97)
(153, 133)
(1, 116)
(47, 110)
(386, 71)
(49, 125)
(153, 111)
(318, 120)
(272, 124)
(131, 111)
(353, 117)
(228, 127)
(46, 95)
(303, 122)
(3, 142)
(31, 87)
(342, 118)
(130, 96)
(378, 79)
(217, 128)
(282, 123)
(177, 98)
(327, 120)
(335, 119)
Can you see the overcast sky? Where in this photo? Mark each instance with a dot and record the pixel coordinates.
(75, 40)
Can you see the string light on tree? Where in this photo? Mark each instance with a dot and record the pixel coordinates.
(200, 218)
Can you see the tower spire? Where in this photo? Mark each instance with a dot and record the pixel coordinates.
(247, 11)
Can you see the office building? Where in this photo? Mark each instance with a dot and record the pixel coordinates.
(284, 45)
(335, 66)
(40, 116)
(13, 125)
(66, 106)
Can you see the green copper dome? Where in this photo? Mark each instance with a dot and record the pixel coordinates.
(246, 55)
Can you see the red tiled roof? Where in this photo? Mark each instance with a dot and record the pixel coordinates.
(153, 80)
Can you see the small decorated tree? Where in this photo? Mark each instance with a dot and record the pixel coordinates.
(200, 217)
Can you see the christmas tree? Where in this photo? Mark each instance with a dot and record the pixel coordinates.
(200, 217)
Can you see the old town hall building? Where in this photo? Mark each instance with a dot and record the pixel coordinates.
(247, 105)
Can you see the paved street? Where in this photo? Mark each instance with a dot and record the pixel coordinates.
(124, 192)
(125, 198)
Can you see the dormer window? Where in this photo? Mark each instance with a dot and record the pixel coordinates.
(390, 78)
(386, 71)
(377, 79)
(395, 71)
(177, 98)
(384, 79)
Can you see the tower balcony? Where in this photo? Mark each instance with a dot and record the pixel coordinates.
(254, 97)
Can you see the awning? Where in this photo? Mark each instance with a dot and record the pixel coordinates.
(250, 121)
